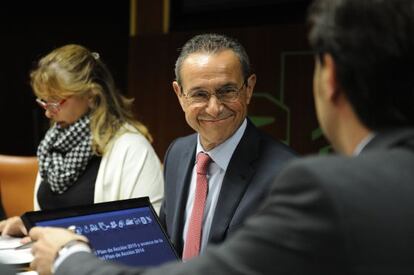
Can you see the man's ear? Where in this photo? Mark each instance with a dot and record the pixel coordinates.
(178, 93)
(251, 82)
(330, 77)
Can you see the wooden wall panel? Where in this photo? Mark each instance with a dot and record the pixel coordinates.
(30, 30)
(282, 103)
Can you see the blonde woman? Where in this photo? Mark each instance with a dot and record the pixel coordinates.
(96, 150)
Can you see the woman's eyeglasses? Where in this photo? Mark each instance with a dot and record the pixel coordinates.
(53, 107)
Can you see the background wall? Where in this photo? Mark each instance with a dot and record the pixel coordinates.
(30, 30)
(274, 35)
(139, 40)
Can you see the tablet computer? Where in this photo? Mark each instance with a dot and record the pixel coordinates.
(124, 231)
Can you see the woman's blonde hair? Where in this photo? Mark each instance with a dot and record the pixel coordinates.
(73, 70)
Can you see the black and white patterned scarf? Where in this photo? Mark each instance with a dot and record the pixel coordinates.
(64, 154)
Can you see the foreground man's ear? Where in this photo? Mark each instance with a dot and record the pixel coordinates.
(328, 67)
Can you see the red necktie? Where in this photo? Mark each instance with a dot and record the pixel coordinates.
(193, 238)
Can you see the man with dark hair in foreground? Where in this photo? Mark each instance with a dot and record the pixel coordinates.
(339, 214)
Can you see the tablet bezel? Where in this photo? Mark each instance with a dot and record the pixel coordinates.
(32, 217)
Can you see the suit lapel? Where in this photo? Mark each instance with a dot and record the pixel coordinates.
(236, 180)
(182, 184)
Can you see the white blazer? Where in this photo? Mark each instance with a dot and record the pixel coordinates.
(129, 169)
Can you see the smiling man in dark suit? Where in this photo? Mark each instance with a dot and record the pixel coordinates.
(347, 213)
(214, 86)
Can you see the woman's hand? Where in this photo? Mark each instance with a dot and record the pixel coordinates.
(13, 227)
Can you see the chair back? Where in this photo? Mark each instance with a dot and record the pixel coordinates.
(17, 180)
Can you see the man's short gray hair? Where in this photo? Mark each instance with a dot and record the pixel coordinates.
(212, 43)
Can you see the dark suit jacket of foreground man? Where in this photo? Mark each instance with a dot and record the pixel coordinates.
(6, 270)
(255, 163)
(325, 215)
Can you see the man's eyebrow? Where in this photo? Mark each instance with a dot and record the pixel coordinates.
(229, 85)
(197, 88)
(226, 85)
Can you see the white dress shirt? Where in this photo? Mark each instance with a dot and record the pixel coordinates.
(220, 156)
(362, 144)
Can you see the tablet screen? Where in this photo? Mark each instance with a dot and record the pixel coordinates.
(130, 236)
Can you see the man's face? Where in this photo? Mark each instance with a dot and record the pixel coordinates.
(215, 120)
(323, 93)
(317, 91)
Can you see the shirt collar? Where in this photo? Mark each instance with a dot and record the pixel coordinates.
(362, 144)
(222, 153)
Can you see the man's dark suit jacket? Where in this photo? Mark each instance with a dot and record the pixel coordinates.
(6, 270)
(324, 215)
(255, 163)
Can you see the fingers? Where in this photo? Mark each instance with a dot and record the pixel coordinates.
(13, 226)
(56, 236)
(42, 265)
(25, 240)
(22, 227)
(83, 238)
(45, 248)
(36, 232)
(2, 224)
(49, 240)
